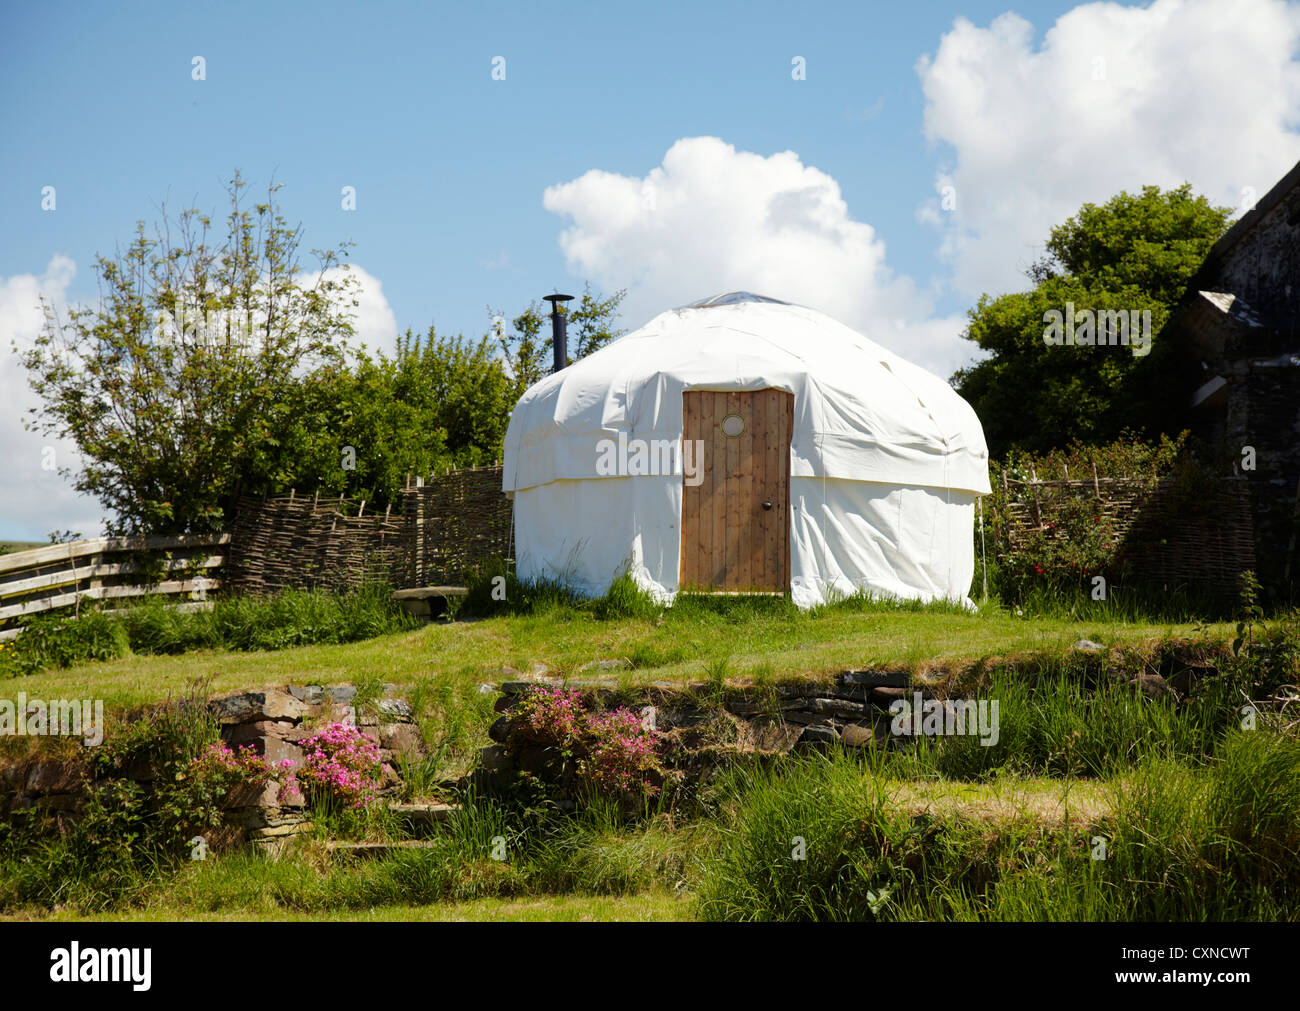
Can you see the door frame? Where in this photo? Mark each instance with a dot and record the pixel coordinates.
(730, 494)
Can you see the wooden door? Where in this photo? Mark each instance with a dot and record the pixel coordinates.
(736, 521)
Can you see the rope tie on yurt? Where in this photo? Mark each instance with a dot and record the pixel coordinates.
(825, 566)
(984, 562)
(947, 512)
(510, 538)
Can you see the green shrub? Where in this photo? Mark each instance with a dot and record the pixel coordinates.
(61, 640)
(131, 832)
(154, 625)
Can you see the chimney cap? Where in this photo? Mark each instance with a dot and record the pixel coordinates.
(557, 298)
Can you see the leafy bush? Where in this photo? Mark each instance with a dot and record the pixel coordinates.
(1050, 570)
(130, 833)
(289, 618)
(51, 640)
(1078, 540)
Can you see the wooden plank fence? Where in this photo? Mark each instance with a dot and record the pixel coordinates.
(107, 568)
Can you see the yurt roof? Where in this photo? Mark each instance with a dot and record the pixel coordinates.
(861, 412)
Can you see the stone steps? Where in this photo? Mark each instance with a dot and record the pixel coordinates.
(425, 814)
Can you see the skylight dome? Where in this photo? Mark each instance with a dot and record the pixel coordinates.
(732, 298)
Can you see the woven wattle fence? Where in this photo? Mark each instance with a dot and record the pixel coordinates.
(444, 527)
(1158, 534)
(455, 522)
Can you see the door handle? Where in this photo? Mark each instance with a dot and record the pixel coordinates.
(767, 505)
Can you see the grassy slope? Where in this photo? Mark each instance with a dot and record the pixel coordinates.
(7, 547)
(674, 649)
(654, 906)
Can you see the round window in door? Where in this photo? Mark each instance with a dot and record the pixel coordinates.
(733, 426)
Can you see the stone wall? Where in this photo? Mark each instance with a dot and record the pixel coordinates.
(1259, 259)
(273, 722)
(1239, 325)
(702, 728)
(699, 729)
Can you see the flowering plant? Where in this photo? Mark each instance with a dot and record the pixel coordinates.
(553, 716)
(612, 752)
(220, 760)
(621, 756)
(342, 764)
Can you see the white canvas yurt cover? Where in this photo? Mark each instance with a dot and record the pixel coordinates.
(742, 443)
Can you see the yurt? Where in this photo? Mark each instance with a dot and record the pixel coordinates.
(744, 444)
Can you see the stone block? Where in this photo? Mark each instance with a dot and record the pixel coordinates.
(500, 730)
(817, 737)
(834, 707)
(876, 678)
(249, 707)
(395, 711)
(246, 733)
(402, 739)
(857, 735)
(494, 759)
(315, 695)
(54, 777)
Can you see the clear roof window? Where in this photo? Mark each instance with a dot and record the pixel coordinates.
(731, 298)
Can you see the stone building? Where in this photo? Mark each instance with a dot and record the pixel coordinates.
(1238, 322)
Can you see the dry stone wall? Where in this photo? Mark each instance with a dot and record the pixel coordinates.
(273, 722)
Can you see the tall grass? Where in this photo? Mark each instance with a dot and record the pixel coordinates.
(1179, 844)
(1137, 603)
(1055, 722)
(487, 849)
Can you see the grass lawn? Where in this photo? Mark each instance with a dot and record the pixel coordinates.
(652, 906)
(6, 547)
(675, 649)
(1199, 817)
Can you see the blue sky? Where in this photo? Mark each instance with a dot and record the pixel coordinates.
(452, 168)
(449, 165)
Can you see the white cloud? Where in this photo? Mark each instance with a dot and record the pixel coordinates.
(34, 500)
(1197, 91)
(373, 318)
(712, 219)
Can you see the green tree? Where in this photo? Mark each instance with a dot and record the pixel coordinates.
(203, 370)
(527, 351)
(1133, 253)
(437, 402)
